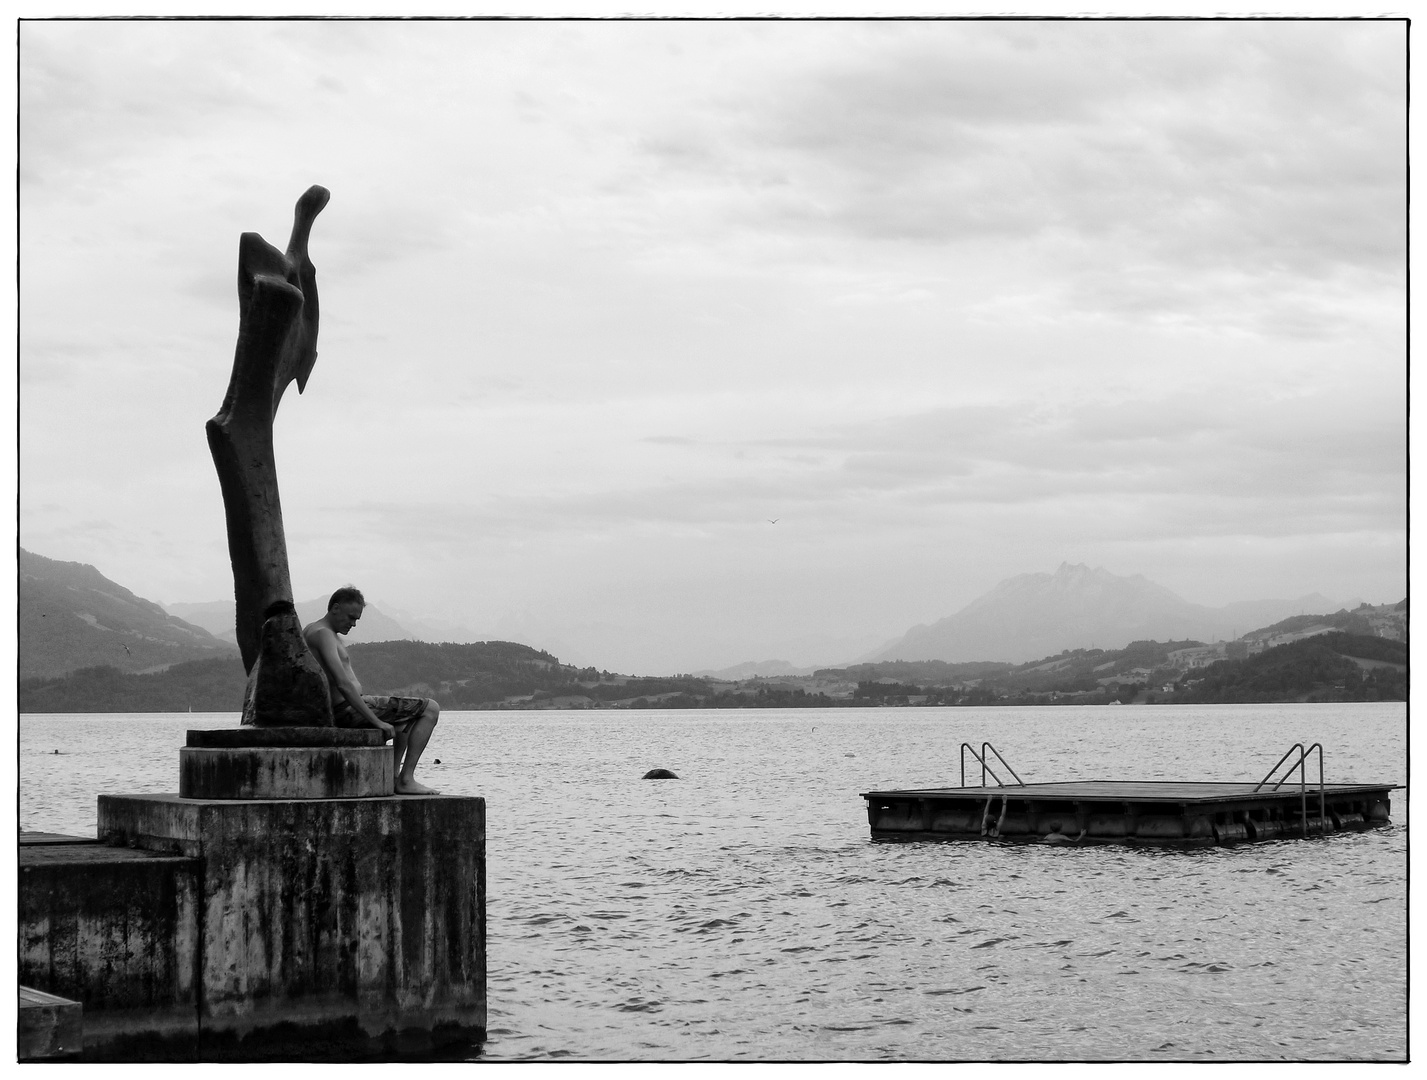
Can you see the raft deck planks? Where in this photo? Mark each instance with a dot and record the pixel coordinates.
(1119, 811)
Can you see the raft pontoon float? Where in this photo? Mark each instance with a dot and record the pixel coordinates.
(1155, 812)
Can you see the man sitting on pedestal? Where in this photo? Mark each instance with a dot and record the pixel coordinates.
(408, 720)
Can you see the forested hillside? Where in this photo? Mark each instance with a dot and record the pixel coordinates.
(1330, 667)
(71, 616)
(198, 685)
(506, 675)
(465, 676)
(459, 676)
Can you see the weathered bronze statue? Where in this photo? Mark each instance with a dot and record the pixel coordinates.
(277, 343)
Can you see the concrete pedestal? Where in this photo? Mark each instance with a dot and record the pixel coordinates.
(289, 772)
(285, 763)
(327, 927)
(285, 906)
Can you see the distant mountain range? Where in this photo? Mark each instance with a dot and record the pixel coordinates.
(71, 616)
(756, 669)
(90, 645)
(1320, 662)
(219, 618)
(1035, 615)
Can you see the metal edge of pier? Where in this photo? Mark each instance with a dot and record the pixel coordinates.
(1287, 803)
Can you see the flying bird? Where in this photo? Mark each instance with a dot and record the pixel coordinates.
(774, 521)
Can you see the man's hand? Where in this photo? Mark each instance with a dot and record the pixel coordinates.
(386, 728)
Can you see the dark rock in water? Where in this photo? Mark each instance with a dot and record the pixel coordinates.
(659, 774)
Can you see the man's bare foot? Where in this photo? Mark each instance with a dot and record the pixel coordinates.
(411, 787)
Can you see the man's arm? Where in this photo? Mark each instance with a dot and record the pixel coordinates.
(323, 643)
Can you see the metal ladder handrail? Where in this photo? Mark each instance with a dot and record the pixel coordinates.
(986, 768)
(1302, 766)
(1287, 754)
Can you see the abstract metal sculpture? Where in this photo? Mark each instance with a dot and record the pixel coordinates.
(277, 343)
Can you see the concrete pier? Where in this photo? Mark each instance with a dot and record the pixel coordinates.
(242, 926)
(331, 919)
(117, 931)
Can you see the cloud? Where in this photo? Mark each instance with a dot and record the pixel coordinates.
(668, 440)
(1266, 467)
(1141, 171)
(90, 104)
(952, 300)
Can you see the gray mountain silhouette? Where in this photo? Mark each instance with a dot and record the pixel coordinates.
(218, 617)
(1035, 615)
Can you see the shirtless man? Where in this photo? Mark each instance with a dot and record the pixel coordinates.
(407, 720)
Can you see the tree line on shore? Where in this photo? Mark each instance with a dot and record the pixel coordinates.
(504, 675)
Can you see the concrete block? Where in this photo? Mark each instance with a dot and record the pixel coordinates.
(49, 1027)
(287, 772)
(117, 931)
(328, 921)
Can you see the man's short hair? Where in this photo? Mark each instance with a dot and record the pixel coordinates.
(347, 594)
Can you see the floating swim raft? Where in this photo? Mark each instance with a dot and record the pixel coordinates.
(1153, 812)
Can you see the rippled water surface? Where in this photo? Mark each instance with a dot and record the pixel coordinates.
(742, 912)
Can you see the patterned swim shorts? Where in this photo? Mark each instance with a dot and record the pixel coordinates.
(396, 711)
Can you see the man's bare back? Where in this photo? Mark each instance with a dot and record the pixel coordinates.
(411, 719)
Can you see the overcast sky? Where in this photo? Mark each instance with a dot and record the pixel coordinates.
(950, 301)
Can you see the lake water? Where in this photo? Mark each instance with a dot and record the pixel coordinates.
(743, 913)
